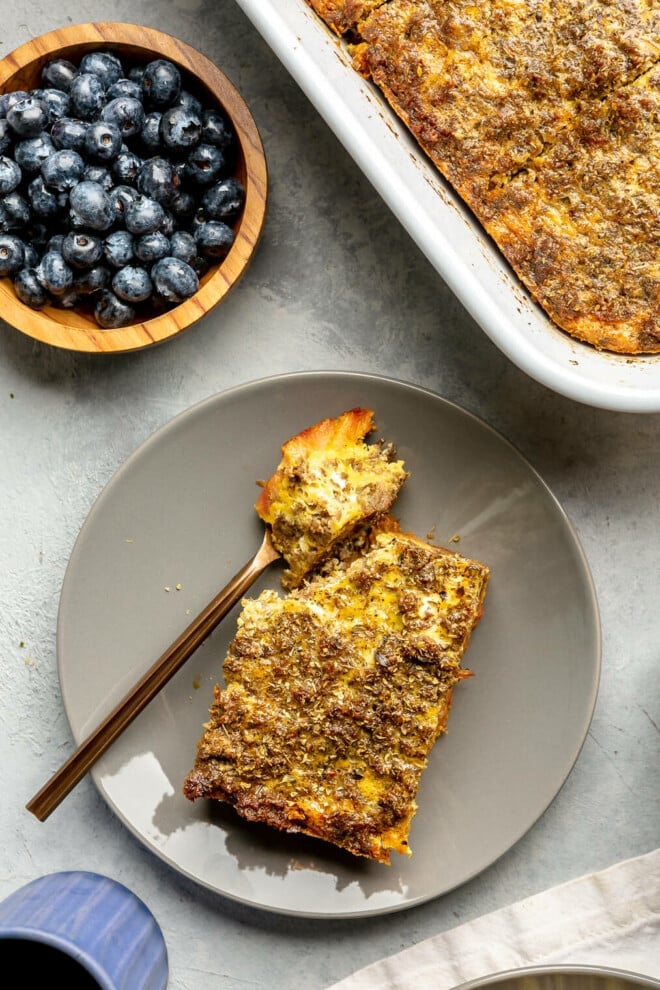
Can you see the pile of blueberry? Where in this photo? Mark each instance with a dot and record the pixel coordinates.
(117, 187)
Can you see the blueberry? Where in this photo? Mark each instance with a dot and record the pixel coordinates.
(46, 202)
(152, 247)
(10, 175)
(224, 200)
(91, 206)
(103, 140)
(183, 246)
(58, 74)
(56, 103)
(54, 273)
(27, 118)
(180, 128)
(161, 83)
(32, 256)
(111, 312)
(150, 133)
(126, 113)
(68, 132)
(6, 136)
(125, 87)
(91, 280)
(12, 254)
(157, 180)
(118, 248)
(214, 238)
(87, 95)
(7, 100)
(63, 169)
(205, 164)
(168, 224)
(188, 100)
(136, 74)
(132, 284)
(82, 250)
(29, 289)
(174, 280)
(120, 197)
(16, 210)
(31, 153)
(126, 168)
(183, 205)
(218, 130)
(55, 243)
(100, 174)
(103, 64)
(143, 215)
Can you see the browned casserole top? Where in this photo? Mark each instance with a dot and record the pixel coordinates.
(581, 224)
(343, 15)
(559, 100)
(335, 695)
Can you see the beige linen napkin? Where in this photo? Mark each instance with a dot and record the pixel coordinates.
(607, 919)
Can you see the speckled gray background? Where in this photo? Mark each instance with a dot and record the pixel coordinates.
(335, 284)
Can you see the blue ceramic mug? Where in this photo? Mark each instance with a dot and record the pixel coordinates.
(88, 930)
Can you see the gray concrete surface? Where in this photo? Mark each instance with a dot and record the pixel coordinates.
(336, 284)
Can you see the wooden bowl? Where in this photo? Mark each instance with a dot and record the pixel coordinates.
(74, 329)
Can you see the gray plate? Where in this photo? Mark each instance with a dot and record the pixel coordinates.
(179, 515)
(563, 978)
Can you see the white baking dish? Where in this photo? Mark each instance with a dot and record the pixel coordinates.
(444, 229)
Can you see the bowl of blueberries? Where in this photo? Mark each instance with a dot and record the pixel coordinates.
(133, 187)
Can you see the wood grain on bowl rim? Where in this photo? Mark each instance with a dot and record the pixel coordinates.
(78, 331)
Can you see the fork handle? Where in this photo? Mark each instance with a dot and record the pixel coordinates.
(76, 766)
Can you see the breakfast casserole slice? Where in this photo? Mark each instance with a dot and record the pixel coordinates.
(328, 485)
(336, 694)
